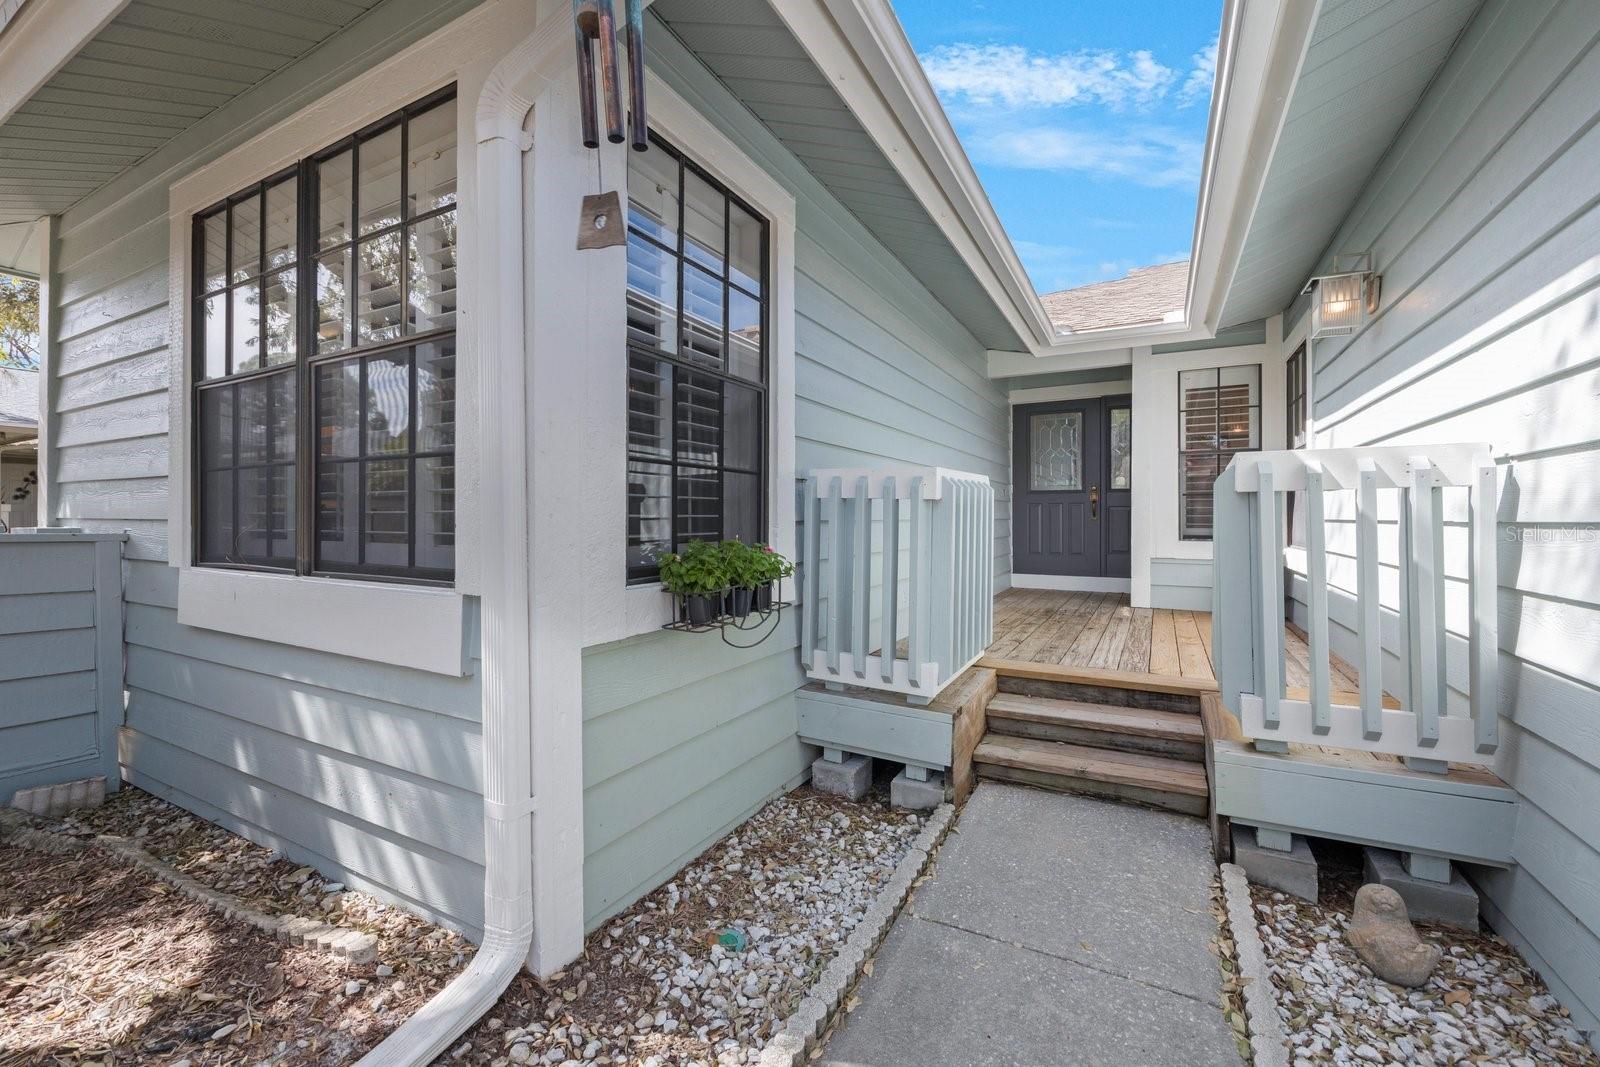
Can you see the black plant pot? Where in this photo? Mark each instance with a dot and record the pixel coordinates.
(701, 608)
(764, 597)
(739, 602)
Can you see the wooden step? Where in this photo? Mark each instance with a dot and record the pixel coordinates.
(1095, 686)
(1178, 735)
(1167, 783)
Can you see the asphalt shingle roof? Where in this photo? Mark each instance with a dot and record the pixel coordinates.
(1147, 294)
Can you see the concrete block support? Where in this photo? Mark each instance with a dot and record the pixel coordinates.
(1293, 872)
(848, 778)
(1453, 903)
(907, 792)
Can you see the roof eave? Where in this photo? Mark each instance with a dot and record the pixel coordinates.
(861, 48)
(40, 39)
(1259, 56)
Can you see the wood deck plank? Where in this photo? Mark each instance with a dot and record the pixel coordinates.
(1192, 659)
(1094, 628)
(1108, 653)
(1136, 653)
(1164, 644)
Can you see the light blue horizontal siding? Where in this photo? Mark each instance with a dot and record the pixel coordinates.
(1483, 219)
(683, 736)
(370, 772)
(1180, 583)
(60, 678)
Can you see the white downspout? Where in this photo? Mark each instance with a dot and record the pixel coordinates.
(498, 336)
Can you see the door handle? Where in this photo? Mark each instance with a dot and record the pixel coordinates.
(1094, 501)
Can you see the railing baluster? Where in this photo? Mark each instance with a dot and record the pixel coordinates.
(891, 580)
(1317, 600)
(861, 579)
(1426, 534)
(1270, 566)
(837, 553)
(811, 553)
(1406, 631)
(1485, 636)
(917, 642)
(1369, 622)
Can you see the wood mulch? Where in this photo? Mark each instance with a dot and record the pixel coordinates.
(101, 962)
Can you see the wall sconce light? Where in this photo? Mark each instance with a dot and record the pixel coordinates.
(1341, 302)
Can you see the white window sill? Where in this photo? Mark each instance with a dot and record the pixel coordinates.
(408, 626)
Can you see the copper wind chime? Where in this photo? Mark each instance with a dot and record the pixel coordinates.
(596, 25)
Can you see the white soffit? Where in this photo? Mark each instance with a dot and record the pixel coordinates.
(151, 72)
(1367, 66)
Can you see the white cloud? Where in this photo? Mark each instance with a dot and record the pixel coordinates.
(1202, 75)
(1152, 156)
(1015, 77)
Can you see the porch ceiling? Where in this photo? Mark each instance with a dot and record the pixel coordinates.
(1364, 71)
(750, 50)
(155, 70)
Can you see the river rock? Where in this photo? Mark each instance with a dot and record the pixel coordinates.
(1382, 935)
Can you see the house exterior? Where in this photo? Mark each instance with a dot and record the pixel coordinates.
(396, 460)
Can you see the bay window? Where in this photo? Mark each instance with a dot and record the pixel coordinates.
(324, 342)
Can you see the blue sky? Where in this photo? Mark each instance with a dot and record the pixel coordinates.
(1085, 120)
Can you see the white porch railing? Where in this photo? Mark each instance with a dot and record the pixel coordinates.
(898, 577)
(1248, 600)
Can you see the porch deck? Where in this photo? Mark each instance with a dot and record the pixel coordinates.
(1101, 631)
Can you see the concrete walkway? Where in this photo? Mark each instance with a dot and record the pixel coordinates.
(1056, 929)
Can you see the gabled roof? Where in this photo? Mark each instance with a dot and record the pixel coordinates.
(19, 399)
(1144, 295)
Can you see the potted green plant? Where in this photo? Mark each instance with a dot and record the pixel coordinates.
(773, 569)
(697, 575)
(746, 573)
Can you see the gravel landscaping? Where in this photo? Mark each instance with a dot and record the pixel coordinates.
(706, 968)
(101, 961)
(1483, 1004)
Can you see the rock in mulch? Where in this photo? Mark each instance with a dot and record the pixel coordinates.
(1382, 935)
(99, 960)
(1483, 1003)
(705, 969)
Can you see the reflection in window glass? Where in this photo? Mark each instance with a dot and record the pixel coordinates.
(696, 361)
(271, 320)
(1121, 426)
(378, 192)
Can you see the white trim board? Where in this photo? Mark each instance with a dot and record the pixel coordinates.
(614, 610)
(1072, 582)
(239, 602)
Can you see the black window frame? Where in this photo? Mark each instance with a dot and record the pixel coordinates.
(649, 573)
(1294, 407)
(1220, 456)
(307, 465)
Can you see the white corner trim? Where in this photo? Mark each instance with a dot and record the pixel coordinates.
(405, 625)
(1071, 582)
(613, 609)
(40, 40)
(458, 52)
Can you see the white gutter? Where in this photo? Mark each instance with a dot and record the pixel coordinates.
(497, 333)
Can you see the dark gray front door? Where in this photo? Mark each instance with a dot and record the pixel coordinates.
(1071, 511)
